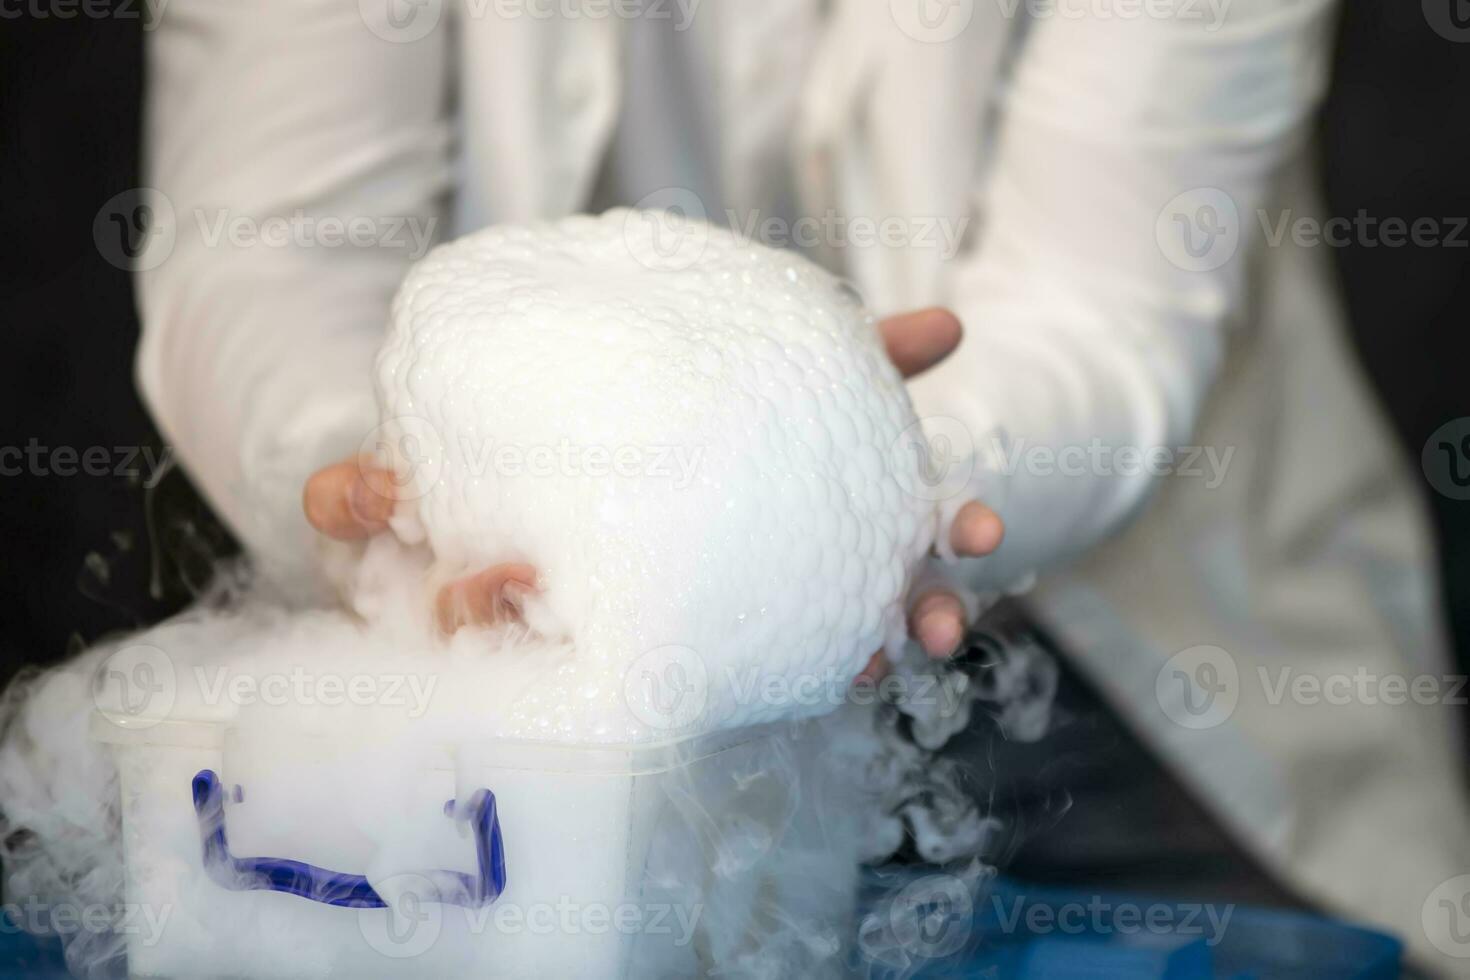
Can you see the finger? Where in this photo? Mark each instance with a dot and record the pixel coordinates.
(938, 623)
(349, 500)
(977, 531)
(917, 341)
(875, 671)
(492, 596)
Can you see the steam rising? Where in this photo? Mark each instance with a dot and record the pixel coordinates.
(657, 810)
(751, 865)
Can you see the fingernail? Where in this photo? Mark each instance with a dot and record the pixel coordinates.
(513, 596)
(875, 668)
(370, 505)
(974, 537)
(939, 634)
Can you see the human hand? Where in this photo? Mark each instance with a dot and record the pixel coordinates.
(354, 499)
(916, 342)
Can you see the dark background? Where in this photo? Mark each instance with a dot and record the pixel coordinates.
(81, 556)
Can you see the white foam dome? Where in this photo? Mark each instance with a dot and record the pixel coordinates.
(698, 442)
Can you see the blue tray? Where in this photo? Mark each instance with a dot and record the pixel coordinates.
(1021, 932)
(23, 958)
(1024, 932)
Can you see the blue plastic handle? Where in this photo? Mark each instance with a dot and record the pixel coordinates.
(335, 887)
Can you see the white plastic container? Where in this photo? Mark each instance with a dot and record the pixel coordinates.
(269, 856)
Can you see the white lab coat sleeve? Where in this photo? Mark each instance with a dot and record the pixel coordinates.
(302, 158)
(1094, 328)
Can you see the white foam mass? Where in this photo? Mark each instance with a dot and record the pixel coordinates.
(697, 441)
(699, 445)
(343, 744)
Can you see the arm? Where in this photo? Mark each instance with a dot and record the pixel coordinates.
(256, 354)
(1080, 332)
